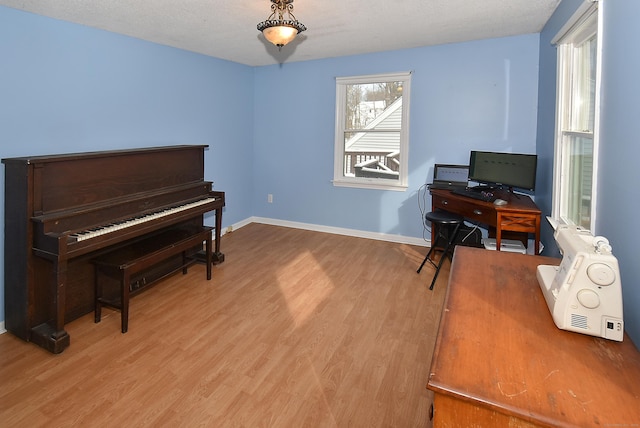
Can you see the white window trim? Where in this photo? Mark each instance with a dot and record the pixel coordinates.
(567, 34)
(362, 182)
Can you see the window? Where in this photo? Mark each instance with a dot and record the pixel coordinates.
(576, 140)
(372, 131)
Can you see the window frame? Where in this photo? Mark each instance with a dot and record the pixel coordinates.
(582, 26)
(339, 180)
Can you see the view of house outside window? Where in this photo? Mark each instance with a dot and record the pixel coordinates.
(371, 131)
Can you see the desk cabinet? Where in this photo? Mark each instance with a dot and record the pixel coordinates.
(476, 211)
(500, 361)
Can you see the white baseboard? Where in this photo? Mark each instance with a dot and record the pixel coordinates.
(2, 330)
(235, 226)
(335, 230)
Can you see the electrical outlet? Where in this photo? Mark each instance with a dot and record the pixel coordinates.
(270, 198)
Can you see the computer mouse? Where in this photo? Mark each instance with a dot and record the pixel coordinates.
(499, 202)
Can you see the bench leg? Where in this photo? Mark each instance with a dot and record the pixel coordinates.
(209, 255)
(184, 263)
(98, 295)
(124, 296)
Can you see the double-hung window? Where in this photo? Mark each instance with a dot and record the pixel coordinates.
(576, 140)
(372, 131)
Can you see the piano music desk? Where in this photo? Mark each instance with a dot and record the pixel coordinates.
(519, 215)
(124, 263)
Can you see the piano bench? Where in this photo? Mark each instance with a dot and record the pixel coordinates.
(127, 261)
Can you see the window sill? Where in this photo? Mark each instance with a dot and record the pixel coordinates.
(373, 184)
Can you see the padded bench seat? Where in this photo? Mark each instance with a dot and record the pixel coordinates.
(125, 262)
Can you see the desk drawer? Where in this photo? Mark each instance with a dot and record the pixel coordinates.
(472, 210)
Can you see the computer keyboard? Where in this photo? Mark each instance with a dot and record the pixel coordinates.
(481, 195)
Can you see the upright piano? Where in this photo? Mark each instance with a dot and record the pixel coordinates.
(61, 211)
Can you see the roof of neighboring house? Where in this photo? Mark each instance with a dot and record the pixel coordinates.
(391, 118)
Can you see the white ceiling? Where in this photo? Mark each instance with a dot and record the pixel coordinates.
(227, 28)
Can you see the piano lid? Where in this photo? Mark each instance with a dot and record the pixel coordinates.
(62, 182)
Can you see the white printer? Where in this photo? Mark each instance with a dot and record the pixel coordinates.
(584, 293)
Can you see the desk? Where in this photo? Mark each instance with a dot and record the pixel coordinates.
(500, 360)
(520, 214)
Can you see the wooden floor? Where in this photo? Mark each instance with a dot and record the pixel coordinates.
(295, 329)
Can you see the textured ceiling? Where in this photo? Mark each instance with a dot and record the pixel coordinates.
(227, 29)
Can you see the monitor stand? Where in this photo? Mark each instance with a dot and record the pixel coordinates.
(513, 193)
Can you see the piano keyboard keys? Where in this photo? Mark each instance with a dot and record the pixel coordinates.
(109, 228)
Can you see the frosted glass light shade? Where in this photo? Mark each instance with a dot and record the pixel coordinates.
(280, 35)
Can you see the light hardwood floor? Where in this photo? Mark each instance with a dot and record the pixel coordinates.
(295, 329)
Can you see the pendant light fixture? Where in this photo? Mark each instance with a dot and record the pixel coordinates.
(278, 29)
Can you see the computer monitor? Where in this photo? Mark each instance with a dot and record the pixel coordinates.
(503, 169)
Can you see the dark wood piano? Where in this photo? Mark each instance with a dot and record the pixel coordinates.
(63, 210)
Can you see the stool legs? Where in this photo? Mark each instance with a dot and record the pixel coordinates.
(451, 241)
(428, 257)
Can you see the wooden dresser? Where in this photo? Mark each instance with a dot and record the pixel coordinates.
(500, 360)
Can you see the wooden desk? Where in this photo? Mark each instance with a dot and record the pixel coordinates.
(500, 360)
(519, 215)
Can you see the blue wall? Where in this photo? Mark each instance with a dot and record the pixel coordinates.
(477, 95)
(619, 173)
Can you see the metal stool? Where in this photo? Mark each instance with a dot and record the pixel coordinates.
(442, 220)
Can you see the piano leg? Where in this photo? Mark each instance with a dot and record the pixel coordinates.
(45, 336)
(54, 338)
(217, 256)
